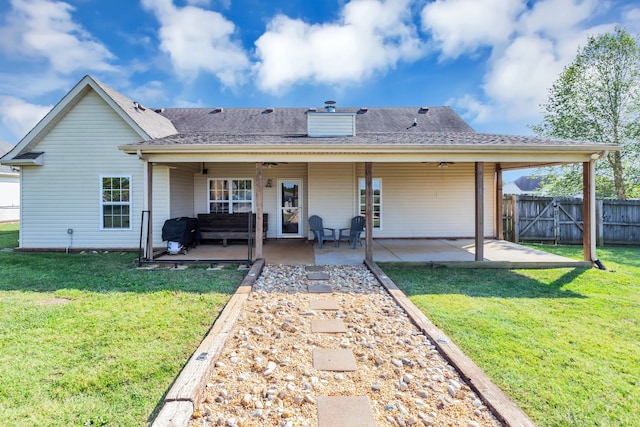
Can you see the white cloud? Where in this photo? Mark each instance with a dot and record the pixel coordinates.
(528, 49)
(199, 40)
(631, 20)
(473, 108)
(555, 17)
(152, 93)
(45, 30)
(371, 36)
(463, 26)
(518, 79)
(20, 116)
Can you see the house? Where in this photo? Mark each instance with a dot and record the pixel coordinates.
(523, 185)
(9, 189)
(103, 171)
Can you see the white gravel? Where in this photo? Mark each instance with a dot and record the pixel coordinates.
(265, 374)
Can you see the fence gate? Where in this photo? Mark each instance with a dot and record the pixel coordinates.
(559, 220)
(542, 219)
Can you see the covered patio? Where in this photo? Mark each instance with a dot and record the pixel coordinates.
(435, 252)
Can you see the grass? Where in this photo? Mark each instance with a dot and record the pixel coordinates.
(89, 340)
(563, 343)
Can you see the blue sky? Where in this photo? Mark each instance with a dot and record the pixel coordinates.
(491, 60)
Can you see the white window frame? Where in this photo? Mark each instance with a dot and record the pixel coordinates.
(104, 203)
(362, 202)
(230, 201)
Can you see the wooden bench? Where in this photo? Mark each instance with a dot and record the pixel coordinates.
(226, 226)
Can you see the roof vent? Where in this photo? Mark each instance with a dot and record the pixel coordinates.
(138, 106)
(159, 110)
(312, 109)
(363, 110)
(268, 110)
(423, 110)
(330, 106)
(218, 110)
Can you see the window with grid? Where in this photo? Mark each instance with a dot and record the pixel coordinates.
(116, 202)
(377, 201)
(230, 195)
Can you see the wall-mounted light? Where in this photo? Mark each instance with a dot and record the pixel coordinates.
(269, 183)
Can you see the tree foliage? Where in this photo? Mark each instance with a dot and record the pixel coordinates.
(597, 98)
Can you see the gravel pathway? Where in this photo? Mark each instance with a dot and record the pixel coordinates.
(265, 374)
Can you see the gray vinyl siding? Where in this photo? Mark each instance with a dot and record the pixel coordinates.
(65, 193)
(331, 124)
(181, 192)
(332, 193)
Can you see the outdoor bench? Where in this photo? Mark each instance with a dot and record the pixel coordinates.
(224, 226)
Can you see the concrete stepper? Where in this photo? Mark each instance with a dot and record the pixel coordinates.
(334, 359)
(318, 275)
(323, 304)
(345, 411)
(328, 326)
(319, 289)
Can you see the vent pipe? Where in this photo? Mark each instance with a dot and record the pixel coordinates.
(330, 106)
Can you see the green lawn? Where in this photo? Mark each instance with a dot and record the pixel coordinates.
(89, 340)
(564, 344)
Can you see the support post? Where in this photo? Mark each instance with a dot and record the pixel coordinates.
(259, 209)
(479, 179)
(499, 202)
(589, 210)
(368, 195)
(149, 207)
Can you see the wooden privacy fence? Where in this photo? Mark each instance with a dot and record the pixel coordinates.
(559, 220)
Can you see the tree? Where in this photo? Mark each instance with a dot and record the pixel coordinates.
(597, 98)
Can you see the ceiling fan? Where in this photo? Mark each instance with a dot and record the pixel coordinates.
(268, 165)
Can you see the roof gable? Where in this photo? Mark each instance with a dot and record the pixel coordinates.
(145, 122)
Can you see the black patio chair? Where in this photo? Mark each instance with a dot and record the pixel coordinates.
(321, 233)
(352, 234)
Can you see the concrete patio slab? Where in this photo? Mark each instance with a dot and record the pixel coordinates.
(334, 359)
(323, 304)
(328, 326)
(302, 252)
(345, 411)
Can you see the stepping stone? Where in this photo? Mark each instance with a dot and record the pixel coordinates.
(318, 275)
(345, 411)
(314, 268)
(323, 304)
(334, 359)
(329, 326)
(319, 289)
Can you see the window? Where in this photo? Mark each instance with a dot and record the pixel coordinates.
(230, 195)
(377, 201)
(116, 202)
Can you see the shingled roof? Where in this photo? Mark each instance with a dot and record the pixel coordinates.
(293, 121)
(406, 137)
